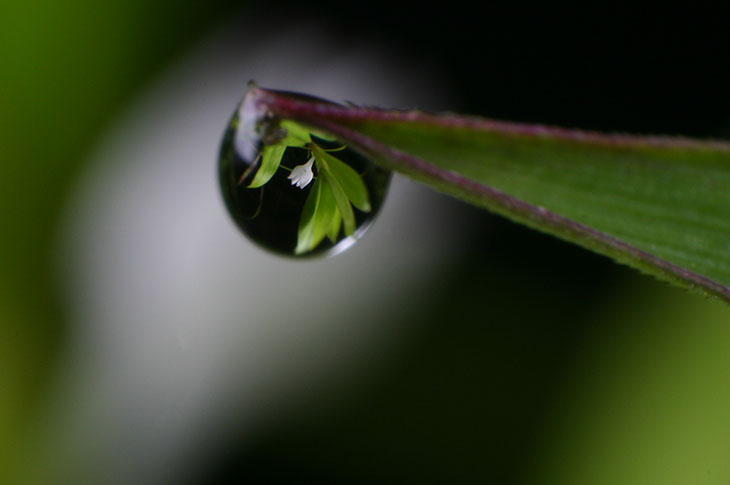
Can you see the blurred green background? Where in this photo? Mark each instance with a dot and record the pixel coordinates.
(66, 69)
(527, 360)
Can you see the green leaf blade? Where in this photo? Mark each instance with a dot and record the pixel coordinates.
(350, 181)
(296, 134)
(306, 221)
(671, 202)
(661, 205)
(270, 160)
(334, 229)
(319, 215)
(343, 203)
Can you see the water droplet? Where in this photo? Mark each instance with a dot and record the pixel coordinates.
(270, 215)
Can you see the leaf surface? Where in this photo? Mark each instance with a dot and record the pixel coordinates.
(270, 160)
(318, 216)
(343, 203)
(351, 183)
(659, 204)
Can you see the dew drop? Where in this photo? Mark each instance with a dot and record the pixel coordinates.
(270, 215)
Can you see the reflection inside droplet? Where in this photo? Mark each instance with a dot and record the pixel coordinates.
(276, 214)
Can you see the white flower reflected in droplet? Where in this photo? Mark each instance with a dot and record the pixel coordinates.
(301, 175)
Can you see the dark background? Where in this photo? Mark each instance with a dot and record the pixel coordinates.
(466, 399)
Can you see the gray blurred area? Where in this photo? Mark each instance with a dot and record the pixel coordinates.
(179, 325)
